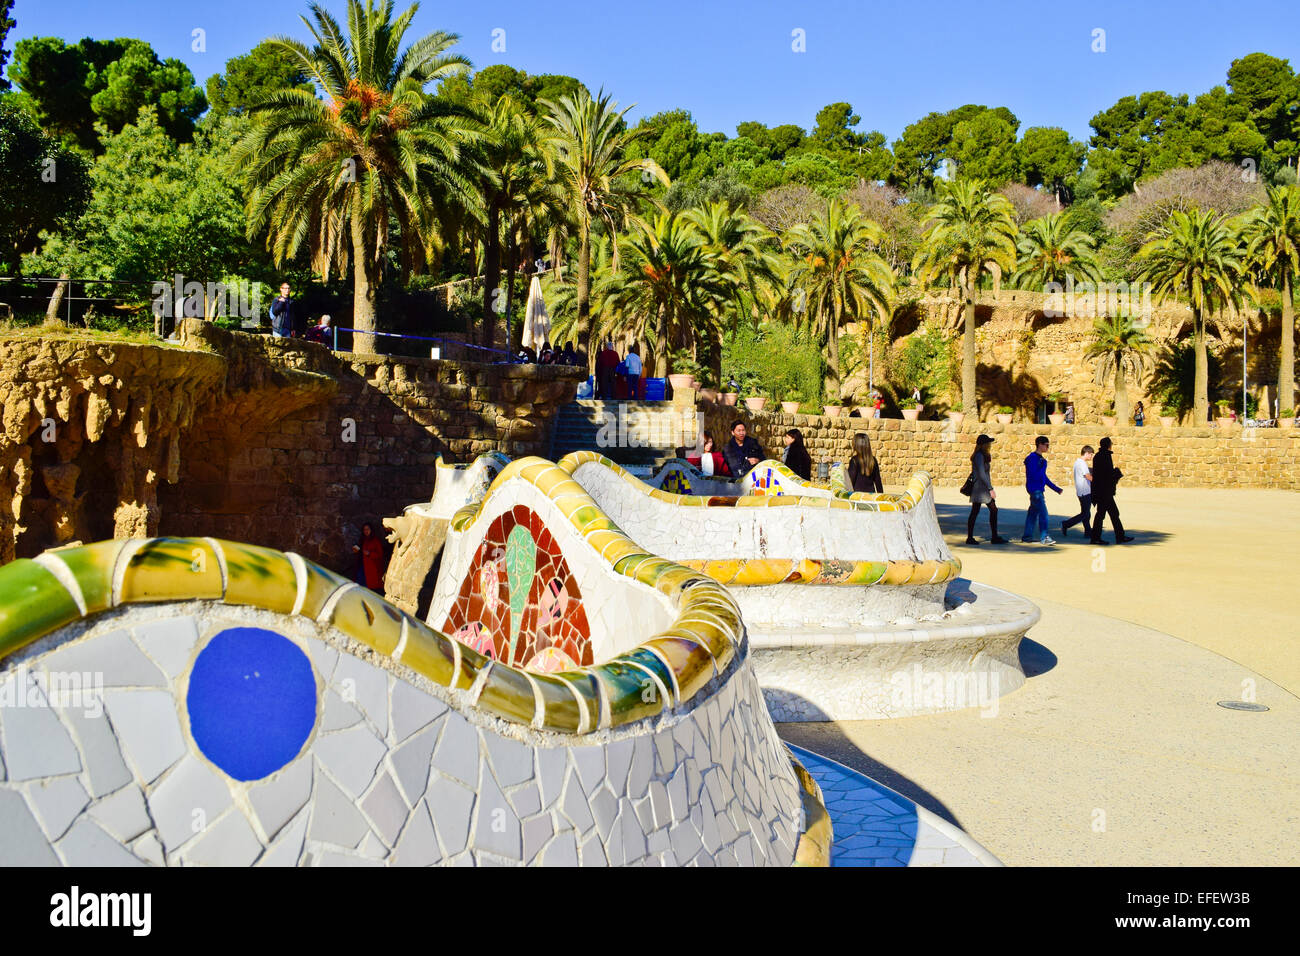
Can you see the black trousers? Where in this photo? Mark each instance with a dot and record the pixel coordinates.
(1106, 507)
(974, 513)
(1085, 511)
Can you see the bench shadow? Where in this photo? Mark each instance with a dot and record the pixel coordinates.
(826, 739)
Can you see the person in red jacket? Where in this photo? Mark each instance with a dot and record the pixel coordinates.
(606, 362)
(371, 552)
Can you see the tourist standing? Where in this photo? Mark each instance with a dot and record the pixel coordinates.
(632, 370)
(796, 455)
(981, 491)
(282, 313)
(1139, 415)
(1037, 483)
(1082, 488)
(1069, 414)
(371, 555)
(1105, 478)
(742, 452)
(864, 467)
(606, 363)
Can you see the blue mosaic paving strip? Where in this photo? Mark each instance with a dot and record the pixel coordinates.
(873, 826)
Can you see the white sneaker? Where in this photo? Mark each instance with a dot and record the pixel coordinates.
(1048, 541)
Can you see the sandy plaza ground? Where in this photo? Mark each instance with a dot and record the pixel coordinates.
(1119, 751)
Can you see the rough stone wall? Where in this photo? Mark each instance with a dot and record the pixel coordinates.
(1151, 456)
(307, 481)
(278, 443)
(1024, 355)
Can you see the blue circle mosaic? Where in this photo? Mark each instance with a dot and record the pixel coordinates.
(252, 701)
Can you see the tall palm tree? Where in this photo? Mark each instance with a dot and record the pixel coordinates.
(745, 255)
(1120, 349)
(1050, 251)
(1198, 254)
(836, 275)
(376, 155)
(592, 159)
(669, 291)
(514, 154)
(972, 230)
(1273, 246)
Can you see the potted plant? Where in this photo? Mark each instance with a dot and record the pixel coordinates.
(1004, 414)
(833, 411)
(1056, 418)
(1108, 416)
(911, 409)
(1286, 418)
(687, 370)
(956, 414)
(1167, 421)
(1224, 417)
(791, 405)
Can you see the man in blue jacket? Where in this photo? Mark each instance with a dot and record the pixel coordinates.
(1036, 483)
(283, 310)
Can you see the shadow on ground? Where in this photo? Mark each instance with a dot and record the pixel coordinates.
(1011, 524)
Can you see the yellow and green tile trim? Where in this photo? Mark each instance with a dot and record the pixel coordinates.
(753, 572)
(58, 588)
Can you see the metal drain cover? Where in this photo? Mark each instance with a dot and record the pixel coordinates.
(1243, 705)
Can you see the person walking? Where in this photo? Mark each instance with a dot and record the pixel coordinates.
(1082, 488)
(1105, 478)
(796, 455)
(1037, 483)
(370, 553)
(864, 467)
(981, 491)
(283, 309)
(1139, 415)
(742, 452)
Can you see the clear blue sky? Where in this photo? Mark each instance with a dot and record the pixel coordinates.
(727, 61)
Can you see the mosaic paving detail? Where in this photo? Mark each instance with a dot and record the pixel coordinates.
(676, 482)
(874, 826)
(111, 774)
(519, 602)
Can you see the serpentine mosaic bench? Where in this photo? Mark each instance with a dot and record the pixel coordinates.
(852, 602)
(194, 701)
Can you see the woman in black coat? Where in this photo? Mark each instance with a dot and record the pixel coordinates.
(864, 467)
(796, 455)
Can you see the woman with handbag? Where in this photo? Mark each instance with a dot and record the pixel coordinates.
(979, 487)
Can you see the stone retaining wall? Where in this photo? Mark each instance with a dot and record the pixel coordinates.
(1150, 456)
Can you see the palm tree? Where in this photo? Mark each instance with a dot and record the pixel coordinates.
(1050, 251)
(376, 155)
(515, 155)
(972, 231)
(670, 290)
(836, 275)
(1196, 253)
(1120, 348)
(744, 255)
(592, 158)
(1273, 246)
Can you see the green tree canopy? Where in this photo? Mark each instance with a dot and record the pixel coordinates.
(6, 24)
(250, 77)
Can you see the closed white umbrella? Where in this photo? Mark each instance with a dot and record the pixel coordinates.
(537, 324)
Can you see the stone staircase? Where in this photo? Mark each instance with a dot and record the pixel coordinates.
(630, 433)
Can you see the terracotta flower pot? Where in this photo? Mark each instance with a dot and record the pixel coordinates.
(1286, 423)
(709, 394)
(1057, 418)
(755, 403)
(729, 398)
(956, 418)
(1003, 419)
(681, 381)
(1168, 421)
(912, 414)
(1109, 420)
(833, 411)
(790, 408)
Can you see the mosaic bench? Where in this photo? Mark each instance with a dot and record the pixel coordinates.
(193, 701)
(844, 596)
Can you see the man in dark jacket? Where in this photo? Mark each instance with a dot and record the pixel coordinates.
(1105, 476)
(282, 313)
(742, 452)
